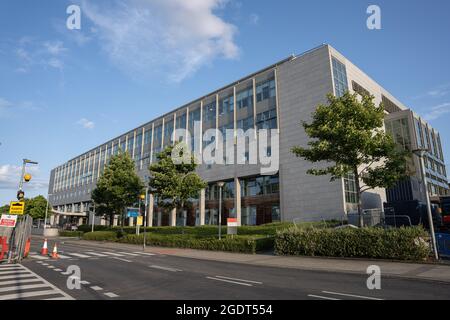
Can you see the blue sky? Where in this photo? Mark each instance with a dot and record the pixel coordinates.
(64, 91)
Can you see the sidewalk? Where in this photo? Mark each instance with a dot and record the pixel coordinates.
(420, 271)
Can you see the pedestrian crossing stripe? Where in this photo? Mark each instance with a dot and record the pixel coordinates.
(89, 254)
(19, 282)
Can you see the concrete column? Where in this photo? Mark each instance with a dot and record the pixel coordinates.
(237, 199)
(115, 221)
(173, 218)
(52, 220)
(80, 221)
(202, 207)
(57, 219)
(130, 221)
(159, 218)
(151, 203)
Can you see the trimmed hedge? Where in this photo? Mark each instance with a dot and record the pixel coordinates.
(70, 233)
(377, 243)
(100, 236)
(88, 228)
(242, 244)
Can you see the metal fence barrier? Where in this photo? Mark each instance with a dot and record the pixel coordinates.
(15, 242)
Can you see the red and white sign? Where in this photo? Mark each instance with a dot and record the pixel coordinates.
(8, 221)
(232, 222)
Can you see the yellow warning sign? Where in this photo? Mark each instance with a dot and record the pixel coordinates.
(16, 207)
(140, 221)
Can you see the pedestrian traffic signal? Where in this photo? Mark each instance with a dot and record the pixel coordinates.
(20, 195)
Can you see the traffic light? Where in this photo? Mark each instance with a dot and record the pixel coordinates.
(27, 177)
(20, 195)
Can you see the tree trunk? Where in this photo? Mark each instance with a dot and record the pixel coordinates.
(358, 198)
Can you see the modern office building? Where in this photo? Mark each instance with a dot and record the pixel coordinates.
(413, 133)
(279, 97)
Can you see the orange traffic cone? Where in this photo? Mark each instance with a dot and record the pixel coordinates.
(44, 250)
(55, 252)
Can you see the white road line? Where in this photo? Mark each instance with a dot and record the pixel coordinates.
(65, 273)
(249, 281)
(19, 287)
(129, 254)
(96, 288)
(166, 268)
(321, 297)
(51, 267)
(61, 256)
(145, 253)
(85, 282)
(45, 264)
(229, 281)
(18, 281)
(9, 266)
(57, 270)
(79, 255)
(14, 272)
(121, 259)
(350, 295)
(9, 269)
(17, 276)
(32, 294)
(38, 257)
(111, 295)
(97, 254)
(113, 254)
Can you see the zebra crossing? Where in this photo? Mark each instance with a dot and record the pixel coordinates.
(19, 282)
(90, 254)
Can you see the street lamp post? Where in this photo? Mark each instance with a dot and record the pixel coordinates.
(46, 210)
(220, 184)
(93, 218)
(420, 153)
(145, 217)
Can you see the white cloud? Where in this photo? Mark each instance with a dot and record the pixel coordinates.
(54, 48)
(438, 111)
(437, 92)
(4, 104)
(171, 37)
(85, 123)
(10, 175)
(55, 63)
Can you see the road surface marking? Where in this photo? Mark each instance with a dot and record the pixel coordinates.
(16, 276)
(124, 260)
(65, 273)
(38, 257)
(17, 281)
(129, 254)
(145, 253)
(21, 283)
(85, 282)
(97, 254)
(229, 281)
(322, 297)
(166, 268)
(96, 288)
(111, 295)
(112, 254)
(57, 270)
(13, 272)
(79, 255)
(61, 256)
(45, 264)
(249, 281)
(11, 268)
(350, 295)
(51, 267)
(19, 287)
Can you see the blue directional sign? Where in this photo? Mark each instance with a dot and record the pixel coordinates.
(133, 213)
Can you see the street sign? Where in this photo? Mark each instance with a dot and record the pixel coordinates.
(16, 207)
(132, 213)
(8, 221)
(140, 221)
(232, 225)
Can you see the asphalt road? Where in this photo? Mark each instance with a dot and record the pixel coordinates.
(124, 274)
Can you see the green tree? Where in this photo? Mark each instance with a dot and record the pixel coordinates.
(347, 135)
(175, 184)
(117, 188)
(4, 209)
(35, 207)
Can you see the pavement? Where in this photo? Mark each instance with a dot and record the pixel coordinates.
(111, 271)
